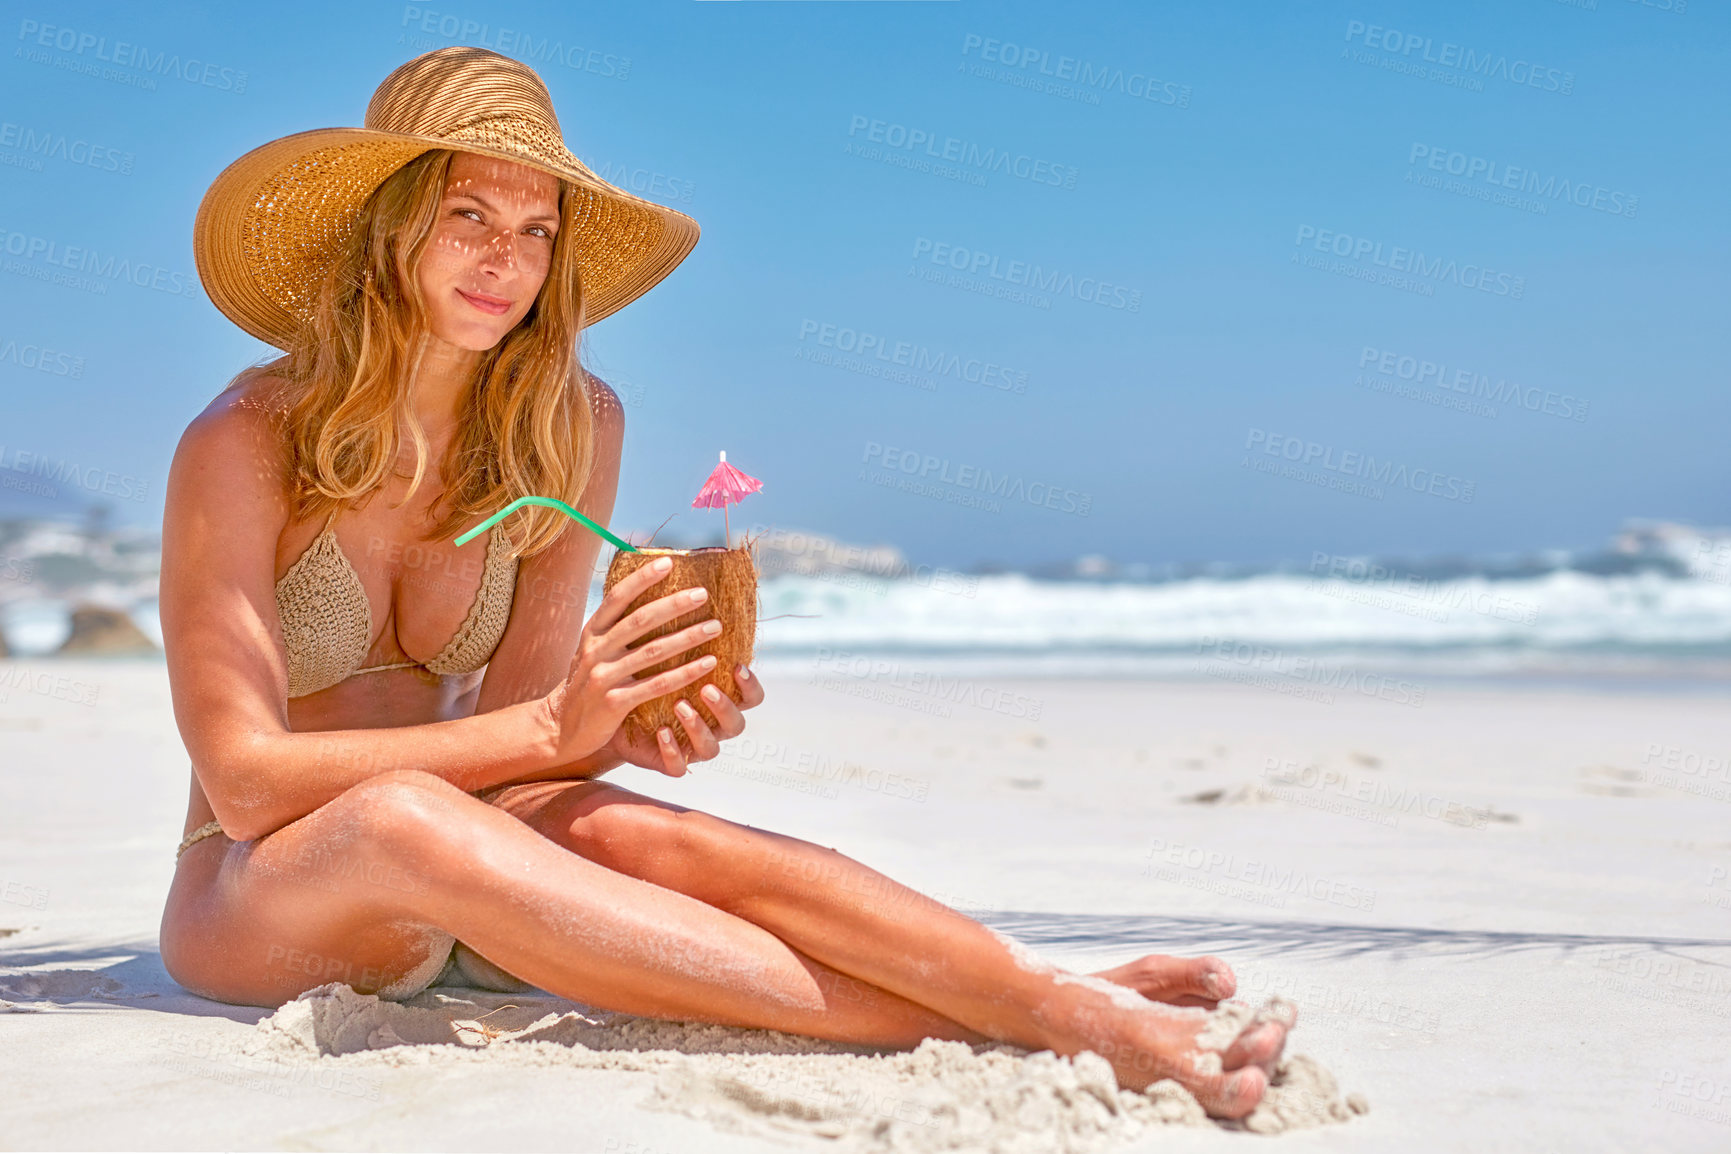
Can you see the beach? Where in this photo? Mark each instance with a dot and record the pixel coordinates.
(1503, 913)
(1213, 485)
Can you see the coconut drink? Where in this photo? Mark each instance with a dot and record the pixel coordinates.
(730, 575)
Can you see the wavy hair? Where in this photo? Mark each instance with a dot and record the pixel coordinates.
(526, 426)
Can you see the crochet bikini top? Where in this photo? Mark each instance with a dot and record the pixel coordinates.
(327, 624)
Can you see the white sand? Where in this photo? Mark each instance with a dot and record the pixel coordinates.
(1542, 960)
(940, 1096)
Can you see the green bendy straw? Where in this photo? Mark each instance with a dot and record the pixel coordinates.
(549, 502)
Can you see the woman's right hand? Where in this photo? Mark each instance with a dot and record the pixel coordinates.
(589, 705)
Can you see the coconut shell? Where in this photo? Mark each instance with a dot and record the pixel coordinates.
(730, 575)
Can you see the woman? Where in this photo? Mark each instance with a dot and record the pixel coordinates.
(395, 742)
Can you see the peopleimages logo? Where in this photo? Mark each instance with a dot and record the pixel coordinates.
(47, 144)
(1085, 75)
(1345, 463)
(1503, 391)
(1447, 54)
(1413, 261)
(915, 356)
(1498, 176)
(34, 33)
(515, 42)
(976, 262)
(40, 358)
(973, 477)
(19, 463)
(643, 181)
(107, 266)
(1272, 877)
(964, 152)
(1432, 598)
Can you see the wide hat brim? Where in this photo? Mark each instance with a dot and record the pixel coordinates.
(270, 224)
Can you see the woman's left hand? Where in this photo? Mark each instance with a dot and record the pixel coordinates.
(663, 754)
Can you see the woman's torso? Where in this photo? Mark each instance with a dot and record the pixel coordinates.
(419, 596)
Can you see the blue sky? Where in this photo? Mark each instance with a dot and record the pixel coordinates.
(1318, 222)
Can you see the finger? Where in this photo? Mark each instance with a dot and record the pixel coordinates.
(750, 688)
(630, 697)
(729, 722)
(703, 743)
(645, 751)
(621, 637)
(612, 606)
(672, 758)
(662, 648)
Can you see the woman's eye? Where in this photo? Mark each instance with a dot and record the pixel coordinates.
(474, 215)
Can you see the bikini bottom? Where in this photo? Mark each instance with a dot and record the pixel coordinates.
(458, 965)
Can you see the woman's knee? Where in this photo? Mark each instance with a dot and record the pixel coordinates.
(649, 840)
(403, 810)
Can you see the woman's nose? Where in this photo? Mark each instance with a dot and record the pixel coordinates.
(500, 249)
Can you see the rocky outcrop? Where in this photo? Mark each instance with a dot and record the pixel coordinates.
(98, 631)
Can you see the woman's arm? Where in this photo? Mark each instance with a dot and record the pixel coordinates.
(228, 671)
(547, 613)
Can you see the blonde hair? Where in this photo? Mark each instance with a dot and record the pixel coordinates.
(526, 425)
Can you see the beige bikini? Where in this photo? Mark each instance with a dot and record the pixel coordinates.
(327, 624)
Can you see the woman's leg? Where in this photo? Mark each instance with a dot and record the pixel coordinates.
(839, 912)
(417, 861)
(372, 887)
(585, 817)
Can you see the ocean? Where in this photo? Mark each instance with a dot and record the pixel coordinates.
(1566, 623)
(1561, 623)
(1654, 604)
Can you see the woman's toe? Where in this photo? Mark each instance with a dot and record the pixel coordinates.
(1176, 981)
(1235, 1094)
(1260, 1045)
(1214, 978)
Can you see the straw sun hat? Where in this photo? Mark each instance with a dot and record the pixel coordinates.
(271, 223)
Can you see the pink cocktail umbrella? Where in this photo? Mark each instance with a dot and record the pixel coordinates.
(726, 486)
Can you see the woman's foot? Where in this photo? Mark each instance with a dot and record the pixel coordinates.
(1226, 1060)
(1200, 981)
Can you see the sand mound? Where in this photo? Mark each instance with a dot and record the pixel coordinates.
(940, 1096)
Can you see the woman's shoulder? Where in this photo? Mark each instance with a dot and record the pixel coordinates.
(250, 408)
(602, 398)
(237, 437)
(608, 410)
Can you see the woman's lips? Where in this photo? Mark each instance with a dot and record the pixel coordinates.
(492, 308)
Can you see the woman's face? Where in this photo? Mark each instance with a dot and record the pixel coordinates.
(490, 249)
